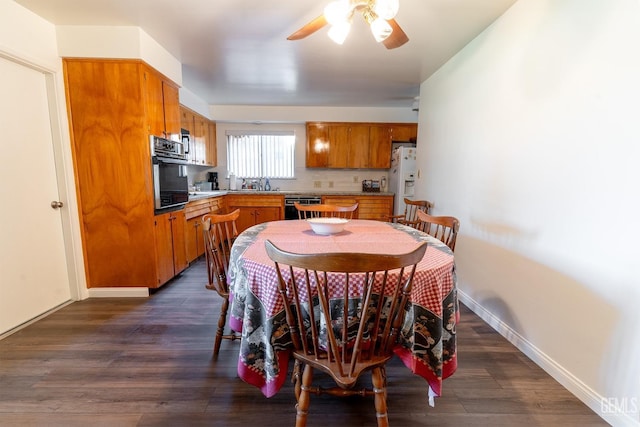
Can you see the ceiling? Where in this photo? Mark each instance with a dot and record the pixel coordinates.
(235, 52)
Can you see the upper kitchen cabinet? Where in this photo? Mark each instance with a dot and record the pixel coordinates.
(337, 145)
(350, 145)
(163, 112)
(317, 147)
(403, 132)
(187, 122)
(113, 106)
(380, 153)
(212, 145)
(202, 143)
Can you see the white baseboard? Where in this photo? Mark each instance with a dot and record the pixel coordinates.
(118, 292)
(34, 320)
(587, 395)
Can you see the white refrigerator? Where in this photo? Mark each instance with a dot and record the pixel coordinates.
(402, 176)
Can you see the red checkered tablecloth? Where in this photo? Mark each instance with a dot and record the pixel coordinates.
(257, 309)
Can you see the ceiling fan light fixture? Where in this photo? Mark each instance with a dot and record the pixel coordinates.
(339, 32)
(380, 29)
(337, 11)
(386, 9)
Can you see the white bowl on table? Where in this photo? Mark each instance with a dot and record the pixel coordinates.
(327, 226)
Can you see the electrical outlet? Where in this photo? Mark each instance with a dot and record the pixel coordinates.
(330, 184)
(317, 184)
(355, 179)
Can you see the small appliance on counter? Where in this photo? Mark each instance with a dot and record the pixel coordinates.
(213, 179)
(370, 186)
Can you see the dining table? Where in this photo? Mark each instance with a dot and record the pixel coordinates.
(427, 340)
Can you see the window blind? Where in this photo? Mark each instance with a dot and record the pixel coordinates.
(260, 155)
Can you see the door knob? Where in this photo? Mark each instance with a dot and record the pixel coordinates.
(56, 204)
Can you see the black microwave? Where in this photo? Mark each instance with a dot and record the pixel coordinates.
(170, 182)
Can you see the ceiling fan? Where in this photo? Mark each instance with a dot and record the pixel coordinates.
(379, 14)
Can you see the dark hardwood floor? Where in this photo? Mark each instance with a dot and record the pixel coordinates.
(147, 362)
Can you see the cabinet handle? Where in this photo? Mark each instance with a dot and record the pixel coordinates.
(56, 204)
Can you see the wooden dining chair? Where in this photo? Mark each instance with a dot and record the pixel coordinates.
(443, 228)
(411, 209)
(325, 210)
(362, 343)
(219, 234)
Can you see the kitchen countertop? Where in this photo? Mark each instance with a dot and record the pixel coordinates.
(206, 194)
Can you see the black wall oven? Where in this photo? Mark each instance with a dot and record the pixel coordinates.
(170, 184)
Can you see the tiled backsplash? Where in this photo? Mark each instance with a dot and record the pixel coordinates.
(306, 179)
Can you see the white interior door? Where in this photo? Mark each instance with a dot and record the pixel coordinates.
(33, 272)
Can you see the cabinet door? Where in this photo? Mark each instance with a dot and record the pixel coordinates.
(171, 254)
(162, 105)
(404, 132)
(171, 105)
(201, 129)
(246, 218)
(164, 248)
(267, 214)
(358, 146)
(317, 146)
(348, 146)
(187, 122)
(178, 224)
(338, 146)
(211, 158)
(379, 147)
(154, 103)
(193, 236)
(375, 207)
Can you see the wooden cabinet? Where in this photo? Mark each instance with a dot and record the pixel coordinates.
(317, 146)
(380, 147)
(194, 211)
(187, 122)
(353, 145)
(369, 207)
(170, 245)
(201, 131)
(113, 106)
(404, 132)
(255, 208)
(202, 145)
(212, 146)
(163, 115)
(348, 146)
(337, 145)
(162, 105)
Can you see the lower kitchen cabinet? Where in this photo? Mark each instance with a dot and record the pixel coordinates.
(171, 252)
(378, 207)
(256, 208)
(194, 211)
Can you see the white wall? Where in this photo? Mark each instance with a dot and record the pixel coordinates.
(531, 139)
(117, 42)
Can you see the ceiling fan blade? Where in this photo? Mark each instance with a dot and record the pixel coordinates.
(397, 37)
(309, 29)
